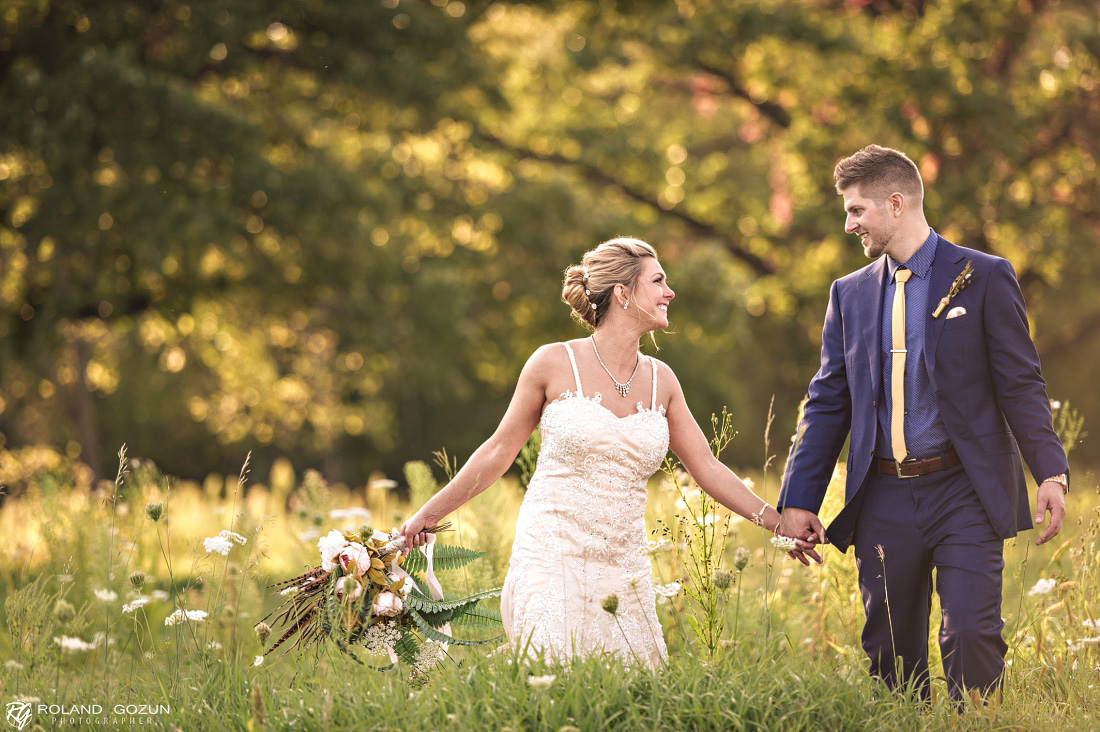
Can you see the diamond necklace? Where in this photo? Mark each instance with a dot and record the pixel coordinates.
(623, 389)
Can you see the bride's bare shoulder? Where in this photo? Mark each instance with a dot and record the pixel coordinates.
(549, 357)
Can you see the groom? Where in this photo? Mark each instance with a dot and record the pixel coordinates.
(927, 362)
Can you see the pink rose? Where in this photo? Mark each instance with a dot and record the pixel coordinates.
(387, 604)
(355, 553)
(348, 589)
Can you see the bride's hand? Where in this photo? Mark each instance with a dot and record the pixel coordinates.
(413, 531)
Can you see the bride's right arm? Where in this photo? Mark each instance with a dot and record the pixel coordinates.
(489, 462)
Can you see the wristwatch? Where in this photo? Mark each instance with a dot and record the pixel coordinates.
(1060, 478)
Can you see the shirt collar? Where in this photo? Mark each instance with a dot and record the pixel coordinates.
(921, 261)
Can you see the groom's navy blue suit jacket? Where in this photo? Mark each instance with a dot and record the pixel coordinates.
(983, 368)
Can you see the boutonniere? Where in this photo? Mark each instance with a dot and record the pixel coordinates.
(965, 278)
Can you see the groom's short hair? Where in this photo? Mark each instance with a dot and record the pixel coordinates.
(879, 171)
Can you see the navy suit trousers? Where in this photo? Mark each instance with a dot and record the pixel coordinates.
(906, 528)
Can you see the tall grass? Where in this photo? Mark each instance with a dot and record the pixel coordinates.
(778, 648)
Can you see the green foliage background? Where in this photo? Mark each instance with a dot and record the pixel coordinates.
(334, 230)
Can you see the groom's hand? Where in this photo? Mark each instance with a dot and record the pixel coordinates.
(805, 526)
(801, 524)
(1050, 499)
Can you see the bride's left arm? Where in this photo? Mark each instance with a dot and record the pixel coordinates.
(721, 483)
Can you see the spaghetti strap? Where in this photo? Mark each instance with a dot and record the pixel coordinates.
(576, 374)
(653, 361)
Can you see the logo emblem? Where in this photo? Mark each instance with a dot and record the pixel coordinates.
(19, 713)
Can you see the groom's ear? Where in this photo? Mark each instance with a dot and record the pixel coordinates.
(897, 203)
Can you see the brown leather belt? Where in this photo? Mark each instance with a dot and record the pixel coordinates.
(913, 468)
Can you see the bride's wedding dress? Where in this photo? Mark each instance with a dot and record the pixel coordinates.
(581, 533)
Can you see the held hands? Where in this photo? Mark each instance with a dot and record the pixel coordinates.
(1050, 499)
(804, 526)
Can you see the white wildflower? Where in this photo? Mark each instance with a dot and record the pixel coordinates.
(355, 513)
(217, 544)
(633, 578)
(259, 661)
(681, 504)
(1043, 586)
(431, 653)
(659, 544)
(181, 615)
(541, 682)
(233, 536)
(213, 646)
(1093, 625)
(130, 607)
(330, 545)
(159, 595)
(784, 543)
(707, 520)
(381, 637)
(13, 665)
(383, 484)
(106, 595)
(63, 578)
(70, 644)
(309, 534)
(670, 590)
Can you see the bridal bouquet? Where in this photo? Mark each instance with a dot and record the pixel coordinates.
(367, 593)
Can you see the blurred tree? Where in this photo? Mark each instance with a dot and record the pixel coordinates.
(335, 230)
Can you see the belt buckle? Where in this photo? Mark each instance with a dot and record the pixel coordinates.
(897, 468)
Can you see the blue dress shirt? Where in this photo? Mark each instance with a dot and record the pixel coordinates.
(925, 434)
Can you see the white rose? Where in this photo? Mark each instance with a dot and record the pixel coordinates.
(387, 604)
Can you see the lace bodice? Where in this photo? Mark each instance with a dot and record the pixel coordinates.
(581, 529)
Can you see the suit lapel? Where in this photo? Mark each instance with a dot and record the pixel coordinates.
(945, 268)
(870, 293)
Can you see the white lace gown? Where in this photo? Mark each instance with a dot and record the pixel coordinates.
(581, 533)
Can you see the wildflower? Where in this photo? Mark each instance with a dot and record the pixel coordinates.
(64, 611)
(381, 637)
(259, 661)
(214, 646)
(309, 534)
(154, 510)
(159, 595)
(431, 653)
(13, 665)
(330, 545)
(106, 595)
(721, 578)
(70, 644)
(217, 544)
(1091, 624)
(263, 630)
(784, 543)
(610, 603)
(383, 484)
(633, 578)
(140, 601)
(707, 520)
(355, 513)
(541, 682)
(670, 590)
(659, 545)
(137, 579)
(1043, 586)
(741, 559)
(181, 615)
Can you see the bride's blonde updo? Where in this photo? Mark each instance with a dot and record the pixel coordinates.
(588, 286)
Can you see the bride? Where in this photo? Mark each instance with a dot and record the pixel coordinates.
(608, 416)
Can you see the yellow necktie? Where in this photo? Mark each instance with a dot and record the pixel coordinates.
(897, 367)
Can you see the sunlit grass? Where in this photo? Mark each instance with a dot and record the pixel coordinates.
(794, 663)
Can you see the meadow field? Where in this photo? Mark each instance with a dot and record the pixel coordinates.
(93, 637)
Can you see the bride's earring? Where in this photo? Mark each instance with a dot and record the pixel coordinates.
(626, 305)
